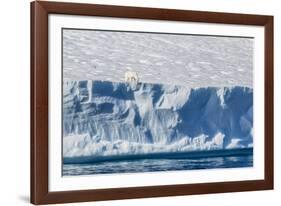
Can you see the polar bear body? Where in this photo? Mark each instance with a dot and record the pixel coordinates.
(131, 76)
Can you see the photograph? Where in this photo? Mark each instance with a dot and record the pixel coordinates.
(136, 101)
(131, 102)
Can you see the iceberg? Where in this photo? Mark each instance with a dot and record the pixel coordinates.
(104, 118)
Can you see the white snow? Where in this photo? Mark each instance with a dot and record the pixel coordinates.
(84, 145)
(235, 143)
(173, 97)
(220, 94)
(107, 118)
(195, 61)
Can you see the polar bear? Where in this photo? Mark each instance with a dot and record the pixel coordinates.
(131, 77)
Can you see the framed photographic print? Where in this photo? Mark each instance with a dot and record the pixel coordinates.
(131, 102)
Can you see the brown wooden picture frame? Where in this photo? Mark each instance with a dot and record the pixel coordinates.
(39, 102)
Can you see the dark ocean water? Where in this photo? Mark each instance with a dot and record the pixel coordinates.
(159, 164)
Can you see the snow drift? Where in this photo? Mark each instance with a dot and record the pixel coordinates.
(109, 118)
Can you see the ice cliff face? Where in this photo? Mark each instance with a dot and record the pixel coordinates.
(107, 118)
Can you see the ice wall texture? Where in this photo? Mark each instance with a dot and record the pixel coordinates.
(108, 118)
(192, 60)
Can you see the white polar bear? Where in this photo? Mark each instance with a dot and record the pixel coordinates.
(131, 77)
